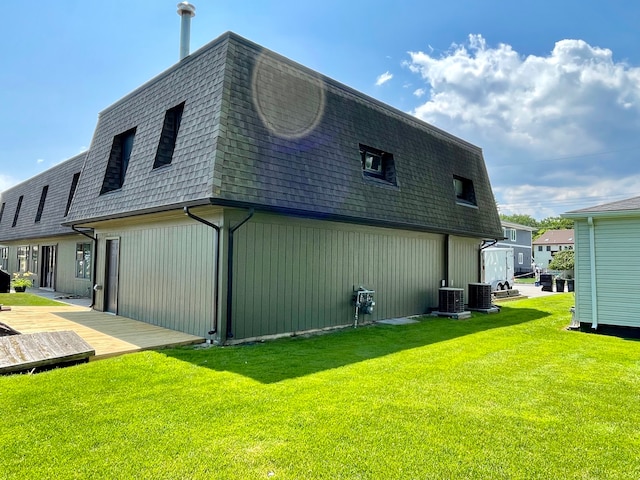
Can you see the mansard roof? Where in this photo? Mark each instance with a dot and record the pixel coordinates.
(44, 198)
(259, 130)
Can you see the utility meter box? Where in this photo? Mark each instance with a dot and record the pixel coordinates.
(363, 300)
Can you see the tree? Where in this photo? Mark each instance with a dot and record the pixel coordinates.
(556, 223)
(564, 260)
(520, 219)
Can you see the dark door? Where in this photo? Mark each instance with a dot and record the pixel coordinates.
(48, 267)
(111, 276)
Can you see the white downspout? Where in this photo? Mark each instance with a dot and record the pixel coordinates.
(592, 261)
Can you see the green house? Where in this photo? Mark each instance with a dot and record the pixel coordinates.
(239, 195)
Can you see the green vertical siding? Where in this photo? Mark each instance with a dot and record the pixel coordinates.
(66, 281)
(166, 274)
(294, 275)
(464, 257)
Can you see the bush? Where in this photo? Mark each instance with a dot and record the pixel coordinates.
(564, 260)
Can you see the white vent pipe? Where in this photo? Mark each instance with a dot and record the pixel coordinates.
(186, 11)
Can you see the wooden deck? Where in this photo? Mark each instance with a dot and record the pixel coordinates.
(108, 334)
(27, 351)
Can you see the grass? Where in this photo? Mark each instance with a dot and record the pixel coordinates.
(27, 300)
(525, 280)
(508, 395)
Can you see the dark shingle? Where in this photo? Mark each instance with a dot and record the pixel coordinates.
(58, 181)
(260, 129)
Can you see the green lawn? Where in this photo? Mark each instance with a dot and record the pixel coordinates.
(27, 299)
(509, 395)
(525, 280)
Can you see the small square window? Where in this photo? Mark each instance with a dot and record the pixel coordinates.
(548, 248)
(464, 191)
(539, 248)
(378, 164)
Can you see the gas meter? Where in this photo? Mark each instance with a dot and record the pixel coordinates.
(363, 302)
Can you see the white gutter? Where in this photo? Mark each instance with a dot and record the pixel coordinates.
(592, 259)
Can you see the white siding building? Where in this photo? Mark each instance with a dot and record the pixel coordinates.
(550, 243)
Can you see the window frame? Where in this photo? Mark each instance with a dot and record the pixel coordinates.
(464, 192)
(118, 163)
(520, 258)
(169, 136)
(17, 213)
(4, 258)
(72, 192)
(85, 261)
(43, 199)
(387, 171)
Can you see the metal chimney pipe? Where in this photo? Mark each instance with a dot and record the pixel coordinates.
(186, 11)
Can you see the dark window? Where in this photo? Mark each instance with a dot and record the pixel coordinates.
(15, 216)
(463, 188)
(548, 248)
(539, 248)
(378, 164)
(2, 211)
(83, 260)
(72, 192)
(118, 161)
(4, 258)
(43, 198)
(169, 135)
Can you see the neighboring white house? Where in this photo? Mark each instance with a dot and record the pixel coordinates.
(607, 264)
(550, 243)
(519, 238)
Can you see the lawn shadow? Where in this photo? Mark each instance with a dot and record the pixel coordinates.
(274, 361)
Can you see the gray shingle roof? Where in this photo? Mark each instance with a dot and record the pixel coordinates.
(260, 130)
(627, 205)
(556, 237)
(59, 179)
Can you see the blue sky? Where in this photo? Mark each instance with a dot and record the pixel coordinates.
(550, 90)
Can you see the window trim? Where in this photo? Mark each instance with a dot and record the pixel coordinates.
(72, 192)
(83, 272)
(169, 136)
(17, 214)
(387, 171)
(43, 199)
(118, 163)
(465, 195)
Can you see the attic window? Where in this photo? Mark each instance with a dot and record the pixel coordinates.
(2, 211)
(465, 195)
(118, 161)
(43, 198)
(377, 164)
(72, 192)
(15, 216)
(172, 119)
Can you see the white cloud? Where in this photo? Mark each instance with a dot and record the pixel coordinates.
(531, 112)
(39, 161)
(384, 78)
